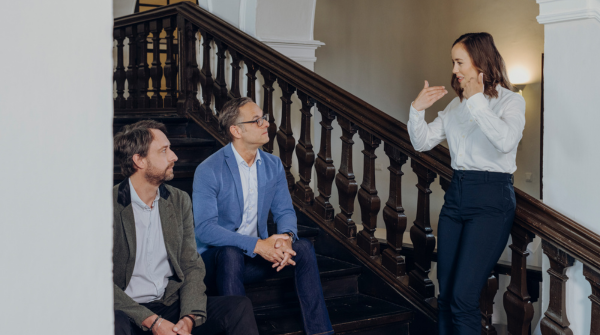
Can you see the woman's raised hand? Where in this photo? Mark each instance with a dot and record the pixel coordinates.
(474, 86)
(428, 96)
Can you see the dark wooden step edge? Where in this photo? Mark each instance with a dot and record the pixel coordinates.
(427, 307)
(373, 322)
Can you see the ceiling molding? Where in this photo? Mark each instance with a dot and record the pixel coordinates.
(554, 11)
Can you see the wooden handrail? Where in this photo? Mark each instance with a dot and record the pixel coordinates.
(353, 114)
(531, 213)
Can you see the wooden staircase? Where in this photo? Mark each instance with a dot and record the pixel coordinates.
(274, 299)
(188, 97)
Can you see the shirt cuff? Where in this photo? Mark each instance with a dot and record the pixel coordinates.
(477, 101)
(416, 114)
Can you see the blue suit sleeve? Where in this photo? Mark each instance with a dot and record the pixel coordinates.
(282, 207)
(206, 215)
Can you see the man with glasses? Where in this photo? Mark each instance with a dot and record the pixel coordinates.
(234, 190)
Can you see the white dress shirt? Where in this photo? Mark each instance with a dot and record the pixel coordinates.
(248, 175)
(152, 269)
(483, 133)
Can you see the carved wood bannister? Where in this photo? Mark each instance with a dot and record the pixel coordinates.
(148, 85)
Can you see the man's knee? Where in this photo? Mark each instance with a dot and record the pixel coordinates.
(303, 245)
(122, 323)
(304, 249)
(243, 305)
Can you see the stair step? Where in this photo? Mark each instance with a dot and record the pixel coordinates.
(338, 278)
(307, 232)
(356, 314)
(176, 125)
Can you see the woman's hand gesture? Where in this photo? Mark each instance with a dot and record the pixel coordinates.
(428, 96)
(474, 86)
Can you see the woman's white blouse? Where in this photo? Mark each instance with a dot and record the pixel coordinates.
(483, 133)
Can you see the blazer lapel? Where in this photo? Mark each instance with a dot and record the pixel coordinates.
(235, 172)
(261, 175)
(170, 230)
(128, 222)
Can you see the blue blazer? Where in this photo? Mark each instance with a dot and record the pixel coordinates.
(218, 201)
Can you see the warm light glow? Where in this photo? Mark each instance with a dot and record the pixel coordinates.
(519, 75)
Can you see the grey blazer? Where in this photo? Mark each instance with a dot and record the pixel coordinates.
(186, 286)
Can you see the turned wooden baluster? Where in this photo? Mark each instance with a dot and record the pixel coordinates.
(367, 196)
(268, 89)
(131, 73)
(221, 91)
(143, 72)
(236, 58)
(285, 138)
(251, 85)
(156, 71)
(344, 180)
(555, 320)
(171, 67)
(593, 276)
(393, 214)
(421, 234)
(486, 304)
(188, 102)
(207, 81)
(120, 76)
(305, 153)
(324, 166)
(517, 302)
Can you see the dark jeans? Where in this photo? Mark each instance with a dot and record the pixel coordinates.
(228, 269)
(225, 315)
(473, 229)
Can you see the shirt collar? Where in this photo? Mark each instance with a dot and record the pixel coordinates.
(241, 161)
(135, 198)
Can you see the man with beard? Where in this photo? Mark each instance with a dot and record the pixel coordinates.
(158, 274)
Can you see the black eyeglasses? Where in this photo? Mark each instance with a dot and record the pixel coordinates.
(259, 122)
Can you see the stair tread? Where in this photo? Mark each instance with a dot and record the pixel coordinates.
(304, 231)
(328, 267)
(351, 312)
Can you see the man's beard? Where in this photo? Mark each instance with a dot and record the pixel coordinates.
(155, 177)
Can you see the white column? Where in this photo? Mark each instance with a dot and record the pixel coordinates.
(57, 165)
(571, 119)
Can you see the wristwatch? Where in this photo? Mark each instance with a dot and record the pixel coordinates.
(291, 235)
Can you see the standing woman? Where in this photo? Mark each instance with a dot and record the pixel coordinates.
(483, 126)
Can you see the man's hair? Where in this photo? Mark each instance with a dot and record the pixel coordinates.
(230, 114)
(487, 60)
(134, 139)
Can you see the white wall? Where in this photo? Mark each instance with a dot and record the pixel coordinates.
(56, 204)
(572, 43)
